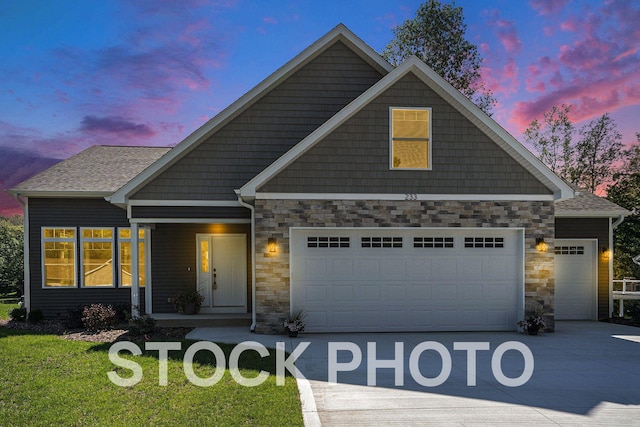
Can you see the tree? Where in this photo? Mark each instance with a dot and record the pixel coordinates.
(632, 158)
(553, 140)
(437, 37)
(626, 193)
(11, 254)
(597, 152)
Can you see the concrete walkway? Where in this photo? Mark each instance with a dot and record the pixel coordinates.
(586, 373)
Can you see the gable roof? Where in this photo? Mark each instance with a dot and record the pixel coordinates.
(586, 204)
(95, 172)
(339, 33)
(469, 110)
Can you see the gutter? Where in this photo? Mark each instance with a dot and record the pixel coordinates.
(617, 222)
(253, 259)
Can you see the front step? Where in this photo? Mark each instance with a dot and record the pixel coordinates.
(201, 320)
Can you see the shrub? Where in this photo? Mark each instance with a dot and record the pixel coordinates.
(123, 312)
(632, 309)
(97, 317)
(144, 325)
(19, 313)
(35, 316)
(74, 317)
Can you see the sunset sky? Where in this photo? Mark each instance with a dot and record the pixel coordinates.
(127, 72)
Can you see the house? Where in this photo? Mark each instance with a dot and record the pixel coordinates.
(375, 198)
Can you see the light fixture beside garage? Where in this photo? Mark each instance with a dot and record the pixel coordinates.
(272, 245)
(605, 252)
(541, 245)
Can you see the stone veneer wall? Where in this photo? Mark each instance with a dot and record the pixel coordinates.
(275, 217)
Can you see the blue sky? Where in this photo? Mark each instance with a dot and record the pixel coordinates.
(78, 73)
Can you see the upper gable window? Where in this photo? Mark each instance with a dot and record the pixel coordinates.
(410, 138)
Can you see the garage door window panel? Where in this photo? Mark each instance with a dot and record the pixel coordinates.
(381, 242)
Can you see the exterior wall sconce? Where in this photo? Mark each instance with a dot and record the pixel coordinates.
(606, 253)
(272, 244)
(541, 245)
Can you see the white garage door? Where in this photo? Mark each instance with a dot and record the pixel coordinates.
(407, 279)
(575, 279)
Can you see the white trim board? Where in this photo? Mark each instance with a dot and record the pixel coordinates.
(406, 197)
(185, 203)
(590, 214)
(190, 220)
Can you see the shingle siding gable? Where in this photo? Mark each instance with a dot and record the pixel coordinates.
(267, 129)
(355, 157)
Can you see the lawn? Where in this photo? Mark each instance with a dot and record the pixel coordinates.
(5, 308)
(46, 380)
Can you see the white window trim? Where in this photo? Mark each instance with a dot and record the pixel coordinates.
(429, 140)
(75, 255)
(145, 239)
(81, 239)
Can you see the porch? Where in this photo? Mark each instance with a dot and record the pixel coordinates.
(202, 320)
(626, 289)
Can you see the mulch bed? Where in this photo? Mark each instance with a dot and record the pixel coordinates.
(622, 321)
(107, 336)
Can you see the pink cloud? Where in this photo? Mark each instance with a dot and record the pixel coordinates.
(501, 81)
(596, 71)
(508, 36)
(270, 20)
(548, 7)
(588, 100)
(570, 24)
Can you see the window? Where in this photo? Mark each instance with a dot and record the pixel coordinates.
(381, 242)
(433, 242)
(124, 237)
(327, 242)
(59, 257)
(410, 138)
(483, 242)
(97, 257)
(569, 250)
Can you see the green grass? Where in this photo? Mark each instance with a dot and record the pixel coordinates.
(5, 308)
(46, 380)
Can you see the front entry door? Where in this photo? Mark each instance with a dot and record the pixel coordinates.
(222, 272)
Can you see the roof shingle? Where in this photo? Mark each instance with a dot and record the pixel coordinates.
(99, 169)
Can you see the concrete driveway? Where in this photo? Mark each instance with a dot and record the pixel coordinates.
(586, 373)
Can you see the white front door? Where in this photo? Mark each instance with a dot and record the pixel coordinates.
(576, 272)
(222, 272)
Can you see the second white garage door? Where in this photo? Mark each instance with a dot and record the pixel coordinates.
(407, 279)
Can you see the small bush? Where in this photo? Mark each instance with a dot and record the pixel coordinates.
(632, 309)
(123, 312)
(19, 313)
(97, 317)
(35, 316)
(144, 325)
(74, 318)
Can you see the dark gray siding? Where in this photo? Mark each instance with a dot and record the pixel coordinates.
(355, 157)
(173, 248)
(591, 228)
(70, 213)
(190, 212)
(267, 129)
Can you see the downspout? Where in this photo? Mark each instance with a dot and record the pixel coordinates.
(617, 222)
(253, 259)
